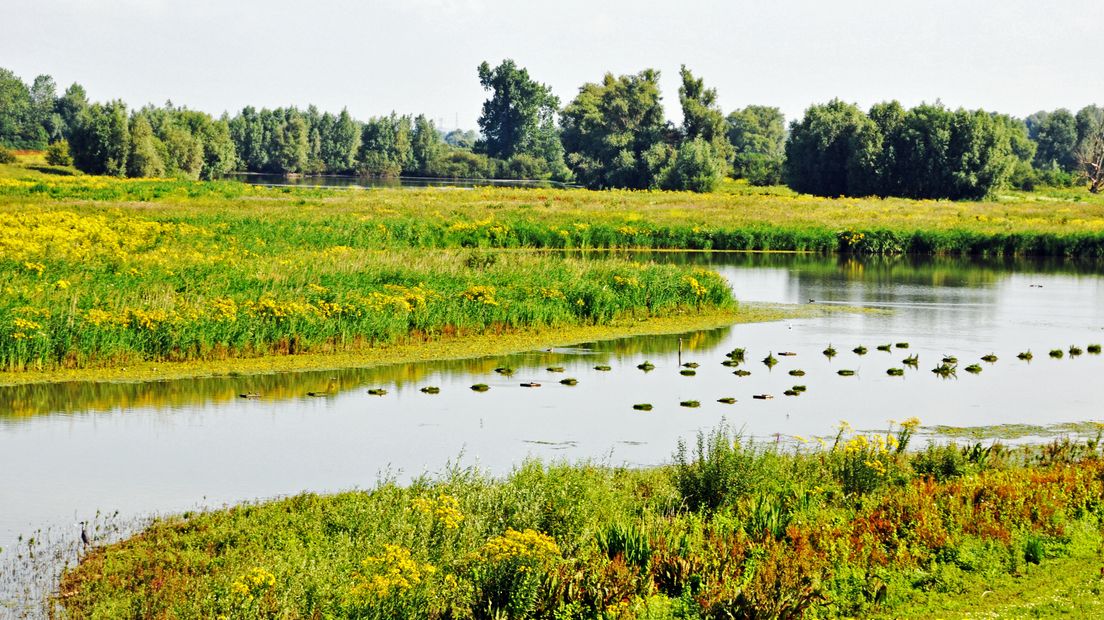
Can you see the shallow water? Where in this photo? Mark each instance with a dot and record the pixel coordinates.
(67, 451)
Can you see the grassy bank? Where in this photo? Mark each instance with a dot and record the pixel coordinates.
(854, 525)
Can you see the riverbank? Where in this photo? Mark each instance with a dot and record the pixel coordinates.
(845, 526)
(422, 349)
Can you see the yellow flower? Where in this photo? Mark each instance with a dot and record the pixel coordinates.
(445, 509)
(394, 571)
(515, 544)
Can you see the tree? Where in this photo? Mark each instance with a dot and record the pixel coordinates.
(340, 143)
(57, 154)
(615, 134)
(833, 151)
(702, 118)
(515, 112)
(1055, 136)
(758, 138)
(144, 158)
(462, 139)
(15, 111)
(182, 152)
(425, 146)
(290, 150)
(696, 167)
(69, 107)
(1090, 151)
(385, 148)
(44, 115)
(100, 142)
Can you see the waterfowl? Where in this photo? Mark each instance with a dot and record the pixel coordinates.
(950, 359)
(1093, 348)
(643, 406)
(569, 381)
(885, 347)
(798, 388)
(973, 368)
(377, 391)
(859, 350)
(1056, 353)
(830, 352)
(686, 372)
(797, 372)
(791, 393)
(912, 360)
(902, 345)
(1074, 350)
(989, 358)
(1026, 355)
(845, 373)
(430, 389)
(730, 363)
(603, 368)
(741, 372)
(250, 395)
(690, 403)
(895, 372)
(480, 387)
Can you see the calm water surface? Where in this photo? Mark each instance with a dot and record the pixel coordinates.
(67, 451)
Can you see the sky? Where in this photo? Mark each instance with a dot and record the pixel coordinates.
(420, 56)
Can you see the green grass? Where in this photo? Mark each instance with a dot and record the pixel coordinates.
(858, 527)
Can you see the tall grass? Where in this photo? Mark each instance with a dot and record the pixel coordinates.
(805, 535)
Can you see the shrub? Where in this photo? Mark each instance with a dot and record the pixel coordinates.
(723, 469)
(57, 154)
(6, 156)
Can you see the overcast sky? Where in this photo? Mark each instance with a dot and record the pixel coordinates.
(374, 56)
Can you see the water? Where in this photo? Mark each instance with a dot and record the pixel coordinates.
(337, 181)
(68, 451)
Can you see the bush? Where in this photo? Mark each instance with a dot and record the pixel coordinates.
(759, 169)
(697, 167)
(723, 469)
(6, 156)
(57, 154)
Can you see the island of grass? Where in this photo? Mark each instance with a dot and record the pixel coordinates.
(857, 527)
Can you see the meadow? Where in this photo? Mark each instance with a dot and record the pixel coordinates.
(851, 525)
(99, 272)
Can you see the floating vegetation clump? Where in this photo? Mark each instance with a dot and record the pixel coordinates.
(646, 366)
(531, 384)
(859, 350)
(797, 372)
(973, 368)
(504, 371)
(569, 381)
(741, 372)
(643, 406)
(377, 391)
(690, 403)
(791, 393)
(480, 387)
(603, 368)
(1094, 349)
(728, 400)
(1026, 355)
(902, 345)
(687, 372)
(991, 358)
(770, 360)
(912, 360)
(555, 369)
(762, 397)
(945, 370)
(830, 352)
(1056, 353)
(843, 372)
(737, 355)
(730, 363)
(950, 359)
(690, 365)
(885, 347)
(896, 372)
(799, 388)
(1075, 350)
(431, 389)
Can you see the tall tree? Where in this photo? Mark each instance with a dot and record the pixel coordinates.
(833, 151)
(1055, 134)
(144, 157)
(16, 130)
(70, 105)
(702, 118)
(1090, 148)
(758, 138)
(615, 134)
(425, 146)
(100, 142)
(515, 112)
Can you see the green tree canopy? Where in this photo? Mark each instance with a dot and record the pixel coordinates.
(615, 134)
(515, 112)
(833, 151)
(758, 138)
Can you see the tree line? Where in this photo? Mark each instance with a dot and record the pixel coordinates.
(613, 134)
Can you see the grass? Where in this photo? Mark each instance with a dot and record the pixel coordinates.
(858, 526)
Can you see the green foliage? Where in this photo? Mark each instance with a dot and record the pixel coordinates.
(758, 138)
(516, 112)
(145, 159)
(615, 134)
(57, 154)
(702, 118)
(6, 156)
(697, 167)
(100, 142)
(832, 151)
(722, 469)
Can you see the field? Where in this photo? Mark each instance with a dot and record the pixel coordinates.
(845, 526)
(104, 273)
